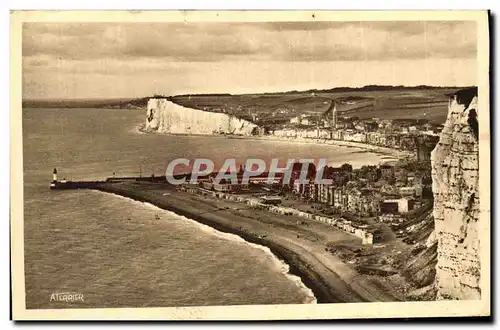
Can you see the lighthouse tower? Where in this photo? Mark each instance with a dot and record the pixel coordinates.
(54, 175)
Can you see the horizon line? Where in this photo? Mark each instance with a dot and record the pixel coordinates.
(259, 93)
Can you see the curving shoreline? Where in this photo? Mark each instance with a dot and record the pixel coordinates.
(290, 275)
(328, 285)
(326, 142)
(394, 153)
(296, 266)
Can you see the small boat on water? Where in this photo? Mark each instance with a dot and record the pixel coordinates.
(157, 217)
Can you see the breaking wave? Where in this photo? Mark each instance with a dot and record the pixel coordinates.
(280, 264)
(284, 267)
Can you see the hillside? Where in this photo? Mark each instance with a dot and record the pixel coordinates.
(384, 102)
(429, 103)
(405, 261)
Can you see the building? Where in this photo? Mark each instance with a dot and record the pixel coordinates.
(367, 238)
(337, 198)
(347, 227)
(401, 205)
(331, 194)
(361, 202)
(360, 126)
(407, 191)
(225, 187)
(405, 205)
(389, 206)
(355, 137)
(370, 202)
(313, 191)
(338, 135)
(353, 201)
(270, 200)
(326, 194)
(371, 126)
(323, 133)
(408, 142)
(298, 188)
(387, 172)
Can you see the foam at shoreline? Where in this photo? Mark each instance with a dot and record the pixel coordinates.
(284, 267)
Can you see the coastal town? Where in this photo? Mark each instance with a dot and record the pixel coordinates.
(418, 136)
(365, 201)
(250, 165)
(382, 212)
(370, 224)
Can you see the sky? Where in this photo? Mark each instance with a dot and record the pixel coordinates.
(128, 60)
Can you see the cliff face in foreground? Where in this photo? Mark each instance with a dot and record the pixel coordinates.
(455, 170)
(164, 116)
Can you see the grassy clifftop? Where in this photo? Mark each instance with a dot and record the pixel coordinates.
(384, 102)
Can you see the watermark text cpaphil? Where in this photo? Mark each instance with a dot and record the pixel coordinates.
(297, 170)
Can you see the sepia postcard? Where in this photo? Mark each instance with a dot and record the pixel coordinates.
(249, 165)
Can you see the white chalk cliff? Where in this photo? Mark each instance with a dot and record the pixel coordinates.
(455, 172)
(164, 116)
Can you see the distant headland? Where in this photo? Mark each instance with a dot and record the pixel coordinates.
(131, 103)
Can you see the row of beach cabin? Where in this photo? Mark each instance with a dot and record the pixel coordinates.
(270, 203)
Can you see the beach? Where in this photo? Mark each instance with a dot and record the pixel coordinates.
(301, 247)
(388, 153)
(328, 142)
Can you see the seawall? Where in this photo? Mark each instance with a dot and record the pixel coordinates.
(164, 116)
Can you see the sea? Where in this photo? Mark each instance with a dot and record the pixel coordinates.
(112, 252)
